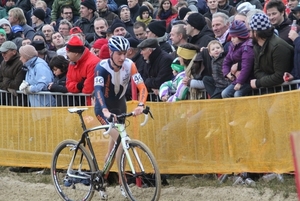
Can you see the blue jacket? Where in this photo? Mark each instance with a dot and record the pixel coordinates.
(39, 76)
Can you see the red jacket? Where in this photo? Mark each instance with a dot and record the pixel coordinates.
(169, 19)
(82, 69)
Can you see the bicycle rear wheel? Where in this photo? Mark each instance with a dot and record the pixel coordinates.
(70, 187)
(145, 184)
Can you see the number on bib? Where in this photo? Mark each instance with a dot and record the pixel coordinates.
(99, 81)
(137, 78)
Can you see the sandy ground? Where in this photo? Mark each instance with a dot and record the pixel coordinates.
(14, 187)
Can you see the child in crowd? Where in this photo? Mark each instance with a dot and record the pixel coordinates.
(186, 53)
(144, 15)
(242, 55)
(216, 83)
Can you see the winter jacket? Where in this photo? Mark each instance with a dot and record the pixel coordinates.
(271, 61)
(134, 12)
(230, 9)
(28, 31)
(284, 29)
(243, 54)
(39, 76)
(57, 4)
(203, 38)
(129, 28)
(59, 85)
(82, 70)
(158, 69)
(87, 27)
(11, 73)
(217, 74)
(108, 16)
(296, 69)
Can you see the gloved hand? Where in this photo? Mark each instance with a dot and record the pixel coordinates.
(26, 90)
(80, 84)
(12, 91)
(23, 85)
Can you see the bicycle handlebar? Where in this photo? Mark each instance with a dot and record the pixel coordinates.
(122, 117)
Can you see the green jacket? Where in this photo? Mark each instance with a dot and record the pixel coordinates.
(271, 61)
(57, 4)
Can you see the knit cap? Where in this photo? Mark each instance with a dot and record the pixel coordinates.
(260, 22)
(75, 45)
(238, 29)
(104, 52)
(117, 23)
(2, 31)
(39, 46)
(121, 7)
(245, 7)
(90, 4)
(28, 52)
(158, 27)
(197, 21)
(176, 65)
(133, 42)
(99, 43)
(182, 12)
(4, 21)
(39, 13)
(75, 30)
(143, 9)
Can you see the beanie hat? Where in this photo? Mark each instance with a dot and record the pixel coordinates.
(90, 4)
(39, 13)
(245, 7)
(2, 31)
(182, 12)
(121, 7)
(39, 46)
(99, 43)
(238, 29)
(4, 21)
(158, 27)
(117, 23)
(75, 45)
(104, 52)
(75, 30)
(196, 20)
(176, 65)
(260, 22)
(16, 29)
(28, 52)
(133, 42)
(143, 9)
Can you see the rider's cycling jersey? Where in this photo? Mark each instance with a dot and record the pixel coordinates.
(110, 86)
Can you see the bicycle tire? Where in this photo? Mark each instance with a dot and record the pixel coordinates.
(70, 188)
(144, 185)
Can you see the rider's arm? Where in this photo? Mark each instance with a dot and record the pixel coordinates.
(138, 80)
(99, 81)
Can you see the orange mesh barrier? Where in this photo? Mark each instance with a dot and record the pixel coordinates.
(248, 134)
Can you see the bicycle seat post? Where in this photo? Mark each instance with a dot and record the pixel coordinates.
(83, 126)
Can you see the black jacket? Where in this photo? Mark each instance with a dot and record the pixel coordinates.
(203, 38)
(87, 26)
(108, 15)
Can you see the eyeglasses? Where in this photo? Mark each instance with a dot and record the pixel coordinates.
(68, 13)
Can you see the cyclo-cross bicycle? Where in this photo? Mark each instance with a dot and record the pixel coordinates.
(76, 174)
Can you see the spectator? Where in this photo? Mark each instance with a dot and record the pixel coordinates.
(9, 4)
(104, 52)
(100, 26)
(24, 5)
(80, 76)
(48, 30)
(220, 26)
(38, 77)
(213, 8)
(16, 17)
(78, 32)
(256, 3)
(124, 14)
(105, 12)
(277, 16)
(2, 40)
(198, 31)
(26, 41)
(139, 29)
(273, 56)
(245, 7)
(64, 28)
(57, 6)
(186, 53)
(178, 35)
(5, 24)
(144, 15)
(57, 40)
(134, 53)
(11, 73)
(66, 14)
(97, 46)
(216, 83)
(241, 53)
(241, 17)
(118, 28)
(39, 36)
(295, 11)
(42, 4)
(157, 30)
(42, 51)
(166, 11)
(150, 7)
(37, 19)
(158, 64)
(59, 66)
(16, 35)
(134, 8)
(224, 5)
(182, 11)
(87, 17)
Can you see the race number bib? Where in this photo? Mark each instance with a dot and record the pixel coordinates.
(99, 81)
(137, 78)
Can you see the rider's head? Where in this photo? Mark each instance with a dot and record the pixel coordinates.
(118, 47)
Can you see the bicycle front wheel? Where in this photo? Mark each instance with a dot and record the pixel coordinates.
(76, 184)
(145, 184)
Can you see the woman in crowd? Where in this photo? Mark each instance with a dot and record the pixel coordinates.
(166, 11)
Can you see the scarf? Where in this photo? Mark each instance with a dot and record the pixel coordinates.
(223, 38)
(165, 14)
(146, 21)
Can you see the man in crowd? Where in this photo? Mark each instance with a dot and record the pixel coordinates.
(37, 18)
(100, 26)
(48, 30)
(273, 56)
(139, 29)
(64, 28)
(42, 51)
(220, 27)
(65, 14)
(124, 14)
(178, 35)
(104, 11)
(134, 9)
(118, 28)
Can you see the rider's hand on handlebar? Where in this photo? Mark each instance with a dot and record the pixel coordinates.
(138, 110)
(108, 114)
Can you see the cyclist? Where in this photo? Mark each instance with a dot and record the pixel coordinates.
(112, 77)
